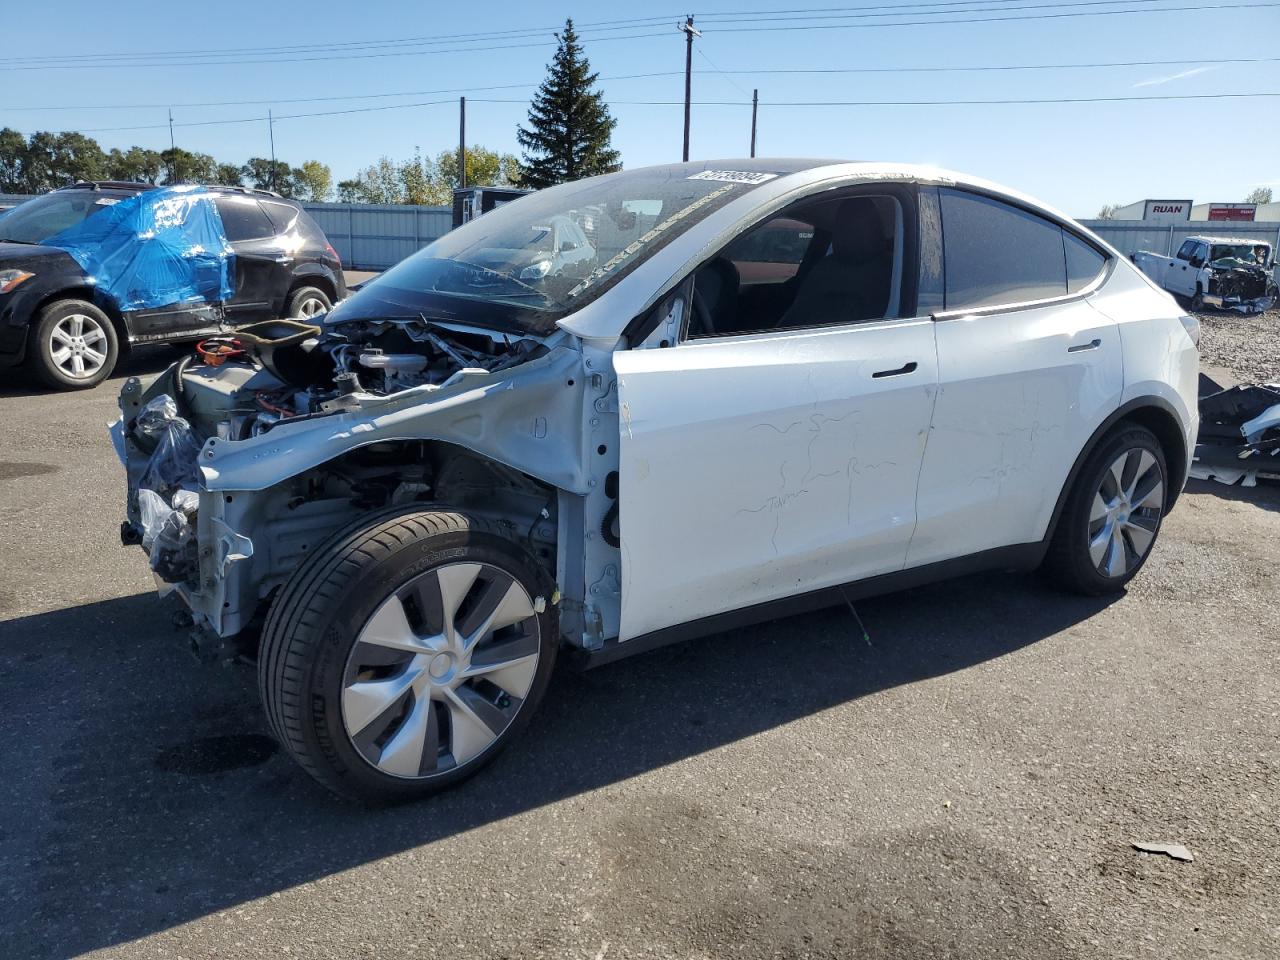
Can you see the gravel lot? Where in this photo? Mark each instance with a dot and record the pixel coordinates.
(1247, 346)
(966, 785)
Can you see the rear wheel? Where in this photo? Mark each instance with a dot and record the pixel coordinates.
(74, 345)
(1112, 517)
(406, 653)
(307, 302)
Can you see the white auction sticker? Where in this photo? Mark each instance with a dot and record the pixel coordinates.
(734, 176)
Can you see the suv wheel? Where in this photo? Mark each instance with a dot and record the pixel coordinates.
(308, 302)
(75, 345)
(1112, 516)
(406, 653)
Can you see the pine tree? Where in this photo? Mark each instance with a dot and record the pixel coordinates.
(569, 123)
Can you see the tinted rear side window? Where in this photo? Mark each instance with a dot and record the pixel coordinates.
(243, 219)
(1083, 263)
(996, 253)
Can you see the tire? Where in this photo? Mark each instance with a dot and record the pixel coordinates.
(307, 302)
(1196, 304)
(1112, 516)
(74, 345)
(360, 716)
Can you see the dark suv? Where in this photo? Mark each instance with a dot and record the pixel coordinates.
(89, 269)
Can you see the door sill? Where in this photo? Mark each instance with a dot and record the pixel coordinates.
(1022, 556)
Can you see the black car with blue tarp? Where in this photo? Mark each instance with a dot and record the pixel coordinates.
(88, 270)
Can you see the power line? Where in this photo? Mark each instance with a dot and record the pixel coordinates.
(329, 99)
(1002, 19)
(766, 71)
(842, 13)
(755, 24)
(325, 59)
(722, 103)
(187, 55)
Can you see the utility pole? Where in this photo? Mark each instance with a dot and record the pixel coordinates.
(689, 33)
(271, 130)
(755, 103)
(171, 128)
(462, 142)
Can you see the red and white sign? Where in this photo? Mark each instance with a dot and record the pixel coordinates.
(1167, 211)
(1238, 212)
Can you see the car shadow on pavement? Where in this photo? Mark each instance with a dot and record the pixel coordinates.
(141, 361)
(142, 791)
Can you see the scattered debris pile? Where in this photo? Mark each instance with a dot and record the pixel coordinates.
(1239, 435)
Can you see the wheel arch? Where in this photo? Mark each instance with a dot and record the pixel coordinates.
(1156, 415)
(92, 295)
(318, 280)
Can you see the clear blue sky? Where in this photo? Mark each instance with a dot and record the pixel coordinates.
(1075, 156)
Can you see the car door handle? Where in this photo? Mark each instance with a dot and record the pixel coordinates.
(901, 371)
(284, 259)
(1093, 344)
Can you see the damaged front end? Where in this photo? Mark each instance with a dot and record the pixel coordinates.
(242, 462)
(1240, 287)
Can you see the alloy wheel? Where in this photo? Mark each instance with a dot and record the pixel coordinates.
(78, 346)
(441, 669)
(311, 307)
(1125, 514)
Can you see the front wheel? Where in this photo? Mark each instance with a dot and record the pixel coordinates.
(74, 345)
(1112, 517)
(406, 653)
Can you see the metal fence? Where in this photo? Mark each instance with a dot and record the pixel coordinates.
(1130, 236)
(368, 236)
(376, 236)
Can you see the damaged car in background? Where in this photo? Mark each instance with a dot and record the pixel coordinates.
(595, 420)
(1230, 274)
(89, 270)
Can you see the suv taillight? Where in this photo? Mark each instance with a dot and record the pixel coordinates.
(333, 253)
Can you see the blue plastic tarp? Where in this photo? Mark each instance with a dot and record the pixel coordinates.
(161, 247)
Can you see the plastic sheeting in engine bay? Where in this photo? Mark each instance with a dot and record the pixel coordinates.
(161, 247)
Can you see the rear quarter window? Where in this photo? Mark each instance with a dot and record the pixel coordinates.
(996, 253)
(1084, 262)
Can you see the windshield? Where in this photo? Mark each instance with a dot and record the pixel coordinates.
(37, 220)
(536, 259)
(1234, 254)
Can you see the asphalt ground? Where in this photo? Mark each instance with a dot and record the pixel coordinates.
(966, 784)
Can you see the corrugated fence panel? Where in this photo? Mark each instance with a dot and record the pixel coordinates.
(1130, 236)
(375, 236)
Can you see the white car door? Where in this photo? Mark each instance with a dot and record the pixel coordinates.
(1027, 371)
(1183, 269)
(761, 466)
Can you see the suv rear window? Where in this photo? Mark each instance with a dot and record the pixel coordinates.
(243, 219)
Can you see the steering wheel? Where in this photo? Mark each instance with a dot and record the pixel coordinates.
(700, 322)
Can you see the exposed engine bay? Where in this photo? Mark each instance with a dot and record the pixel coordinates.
(247, 454)
(283, 368)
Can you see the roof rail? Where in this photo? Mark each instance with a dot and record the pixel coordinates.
(108, 184)
(253, 191)
(135, 185)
